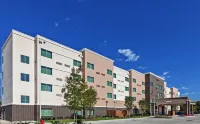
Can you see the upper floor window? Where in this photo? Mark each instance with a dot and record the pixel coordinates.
(126, 79)
(134, 89)
(143, 83)
(24, 59)
(134, 80)
(143, 91)
(109, 83)
(46, 53)
(115, 96)
(114, 75)
(46, 70)
(46, 87)
(91, 66)
(90, 79)
(76, 63)
(109, 95)
(109, 72)
(126, 88)
(115, 86)
(24, 77)
(151, 83)
(58, 63)
(24, 99)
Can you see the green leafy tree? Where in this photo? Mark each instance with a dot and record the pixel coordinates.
(198, 106)
(90, 99)
(72, 91)
(143, 105)
(129, 104)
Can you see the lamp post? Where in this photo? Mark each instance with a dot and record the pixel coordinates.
(106, 108)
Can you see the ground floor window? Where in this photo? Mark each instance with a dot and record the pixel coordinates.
(47, 112)
(90, 112)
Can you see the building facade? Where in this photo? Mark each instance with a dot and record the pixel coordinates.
(34, 71)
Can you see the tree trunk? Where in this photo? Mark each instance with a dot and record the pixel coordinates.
(129, 113)
(89, 113)
(75, 116)
(83, 113)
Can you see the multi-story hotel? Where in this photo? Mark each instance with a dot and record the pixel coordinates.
(34, 71)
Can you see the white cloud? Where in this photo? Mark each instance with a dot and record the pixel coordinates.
(56, 24)
(185, 94)
(141, 67)
(119, 59)
(131, 56)
(184, 88)
(67, 19)
(192, 93)
(165, 75)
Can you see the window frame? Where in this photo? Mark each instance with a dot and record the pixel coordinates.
(25, 59)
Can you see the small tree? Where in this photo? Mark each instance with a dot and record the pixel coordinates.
(198, 106)
(143, 106)
(91, 99)
(72, 91)
(129, 103)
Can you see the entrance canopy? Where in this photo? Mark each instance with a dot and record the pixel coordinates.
(172, 101)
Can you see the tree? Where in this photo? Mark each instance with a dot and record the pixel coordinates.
(129, 103)
(90, 99)
(198, 106)
(72, 91)
(143, 105)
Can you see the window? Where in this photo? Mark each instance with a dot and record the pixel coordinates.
(151, 91)
(114, 85)
(151, 83)
(91, 66)
(46, 87)
(90, 79)
(143, 91)
(46, 70)
(114, 75)
(143, 83)
(77, 63)
(46, 53)
(159, 87)
(126, 88)
(109, 72)
(109, 83)
(109, 95)
(24, 77)
(24, 99)
(115, 97)
(159, 95)
(134, 98)
(126, 79)
(58, 63)
(2, 91)
(24, 59)
(90, 112)
(134, 89)
(134, 80)
(46, 112)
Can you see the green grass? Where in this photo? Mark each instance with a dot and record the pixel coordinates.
(95, 119)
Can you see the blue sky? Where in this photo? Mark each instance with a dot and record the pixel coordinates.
(161, 36)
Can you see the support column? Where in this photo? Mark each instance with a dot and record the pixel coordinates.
(172, 110)
(192, 109)
(187, 107)
(150, 109)
(154, 109)
(189, 112)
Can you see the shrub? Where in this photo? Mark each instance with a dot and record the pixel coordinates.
(161, 116)
(79, 121)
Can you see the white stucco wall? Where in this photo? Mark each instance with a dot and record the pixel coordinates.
(120, 83)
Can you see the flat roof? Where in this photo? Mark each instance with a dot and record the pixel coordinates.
(154, 75)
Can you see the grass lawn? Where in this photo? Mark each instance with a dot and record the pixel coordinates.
(94, 119)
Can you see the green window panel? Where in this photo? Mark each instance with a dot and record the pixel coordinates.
(46, 53)
(90, 79)
(76, 63)
(90, 66)
(24, 59)
(134, 80)
(143, 91)
(143, 83)
(109, 72)
(134, 89)
(109, 83)
(115, 86)
(109, 95)
(46, 70)
(114, 75)
(24, 99)
(151, 83)
(115, 97)
(90, 112)
(46, 112)
(126, 88)
(46, 87)
(151, 91)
